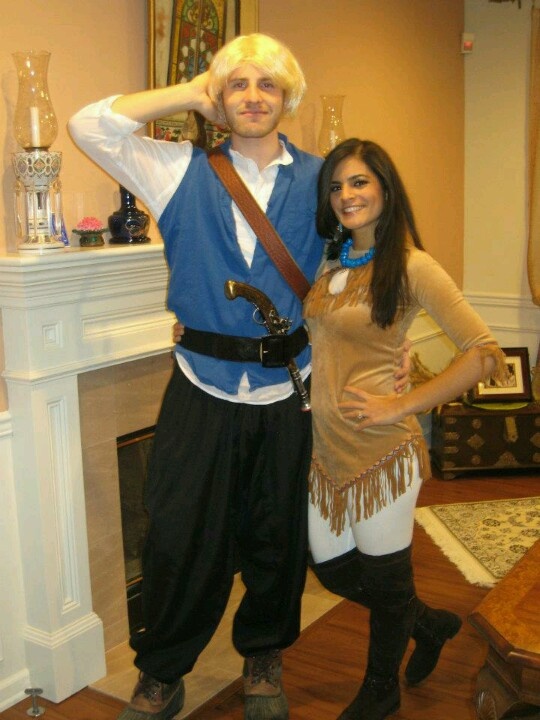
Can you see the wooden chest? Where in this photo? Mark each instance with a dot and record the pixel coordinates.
(465, 438)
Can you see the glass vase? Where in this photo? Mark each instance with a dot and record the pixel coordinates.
(332, 131)
(34, 123)
(128, 224)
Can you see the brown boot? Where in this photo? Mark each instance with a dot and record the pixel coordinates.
(264, 696)
(154, 700)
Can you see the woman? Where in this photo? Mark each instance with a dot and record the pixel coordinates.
(369, 455)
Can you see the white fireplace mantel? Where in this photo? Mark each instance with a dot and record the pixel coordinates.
(72, 311)
(66, 313)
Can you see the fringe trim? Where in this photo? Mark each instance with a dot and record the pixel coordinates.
(373, 489)
(320, 301)
(500, 373)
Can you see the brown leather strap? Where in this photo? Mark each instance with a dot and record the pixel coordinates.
(261, 225)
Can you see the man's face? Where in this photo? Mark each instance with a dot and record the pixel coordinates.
(252, 102)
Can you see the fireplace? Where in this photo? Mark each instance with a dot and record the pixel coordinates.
(87, 342)
(118, 408)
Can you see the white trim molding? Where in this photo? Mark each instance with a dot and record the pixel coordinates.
(514, 320)
(14, 674)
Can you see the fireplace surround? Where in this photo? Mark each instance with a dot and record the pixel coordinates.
(85, 331)
(114, 401)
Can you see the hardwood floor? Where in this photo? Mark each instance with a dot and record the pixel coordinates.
(323, 669)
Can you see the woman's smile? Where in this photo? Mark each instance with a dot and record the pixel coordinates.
(356, 195)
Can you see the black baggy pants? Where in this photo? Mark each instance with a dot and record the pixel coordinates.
(227, 483)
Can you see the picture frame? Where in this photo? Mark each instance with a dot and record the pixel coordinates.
(224, 20)
(519, 387)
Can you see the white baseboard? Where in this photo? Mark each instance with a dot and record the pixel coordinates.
(12, 689)
(65, 661)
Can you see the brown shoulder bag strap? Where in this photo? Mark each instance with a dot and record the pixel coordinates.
(260, 224)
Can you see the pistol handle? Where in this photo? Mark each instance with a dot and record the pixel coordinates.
(230, 289)
(234, 289)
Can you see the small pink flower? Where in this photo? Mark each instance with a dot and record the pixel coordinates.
(89, 224)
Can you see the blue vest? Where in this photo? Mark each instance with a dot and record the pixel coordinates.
(202, 251)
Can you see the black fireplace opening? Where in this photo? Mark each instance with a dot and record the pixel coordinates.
(133, 454)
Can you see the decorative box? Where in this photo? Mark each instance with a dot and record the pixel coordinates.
(465, 438)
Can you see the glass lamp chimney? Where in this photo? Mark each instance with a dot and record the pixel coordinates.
(35, 124)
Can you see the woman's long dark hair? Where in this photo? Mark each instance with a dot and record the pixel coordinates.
(389, 284)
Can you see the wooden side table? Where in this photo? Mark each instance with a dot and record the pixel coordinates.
(508, 618)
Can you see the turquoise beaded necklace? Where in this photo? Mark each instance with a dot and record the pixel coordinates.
(348, 262)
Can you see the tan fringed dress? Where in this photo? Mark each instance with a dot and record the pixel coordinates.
(373, 467)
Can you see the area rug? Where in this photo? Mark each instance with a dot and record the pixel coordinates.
(483, 539)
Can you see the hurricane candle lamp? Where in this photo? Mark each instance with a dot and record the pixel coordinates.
(38, 198)
(332, 131)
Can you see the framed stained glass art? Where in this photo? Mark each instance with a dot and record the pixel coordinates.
(183, 36)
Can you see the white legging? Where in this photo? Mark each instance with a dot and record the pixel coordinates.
(387, 531)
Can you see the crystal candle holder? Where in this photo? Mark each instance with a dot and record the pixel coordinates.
(38, 200)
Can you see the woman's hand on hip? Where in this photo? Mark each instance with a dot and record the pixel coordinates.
(366, 410)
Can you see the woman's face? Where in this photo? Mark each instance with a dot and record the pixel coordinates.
(356, 195)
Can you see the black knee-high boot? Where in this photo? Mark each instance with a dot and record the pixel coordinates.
(432, 628)
(345, 576)
(389, 583)
(385, 585)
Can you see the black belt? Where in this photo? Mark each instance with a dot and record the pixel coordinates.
(269, 350)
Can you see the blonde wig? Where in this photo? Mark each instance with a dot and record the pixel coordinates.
(267, 54)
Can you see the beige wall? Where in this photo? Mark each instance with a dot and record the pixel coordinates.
(397, 62)
(496, 98)
(97, 48)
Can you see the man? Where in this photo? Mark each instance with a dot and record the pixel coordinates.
(228, 474)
